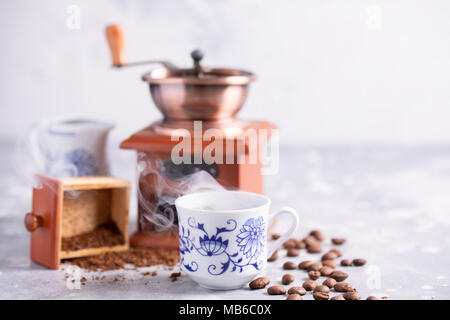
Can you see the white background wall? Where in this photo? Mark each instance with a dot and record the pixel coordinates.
(336, 71)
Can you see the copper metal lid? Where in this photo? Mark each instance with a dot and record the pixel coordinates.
(199, 75)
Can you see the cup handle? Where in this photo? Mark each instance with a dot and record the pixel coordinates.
(293, 214)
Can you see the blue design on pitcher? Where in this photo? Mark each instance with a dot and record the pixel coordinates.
(251, 239)
(83, 161)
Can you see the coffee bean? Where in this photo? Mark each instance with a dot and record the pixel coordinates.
(359, 262)
(300, 244)
(309, 285)
(314, 275)
(346, 263)
(325, 271)
(294, 296)
(337, 252)
(287, 279)
(276, 290)
(330, 282)
(317, 235)
(337, 298)
(305, 264)
(372, 298)
(259, 283)
(275, 236)
(307, 240)
(273, 257)
(320, 296)
(343, 287)
(338, 241)
(339, 275)
(293, 252)
(329, 263)
(298, 290)
(321, 288)
(314, 248)
(329, 256)
(289, 265)
(352, 295)
(290, 243)
(314, 267)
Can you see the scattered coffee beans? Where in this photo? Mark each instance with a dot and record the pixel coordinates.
(290, 243)
(330, 282)
(329, 256)
(337, 252)
(276, 290)
(321, 288)
(372, 298)
(339, 275)
(346, 263)
(314, 275)
(298, 290)
(308, 241)
(338, 241)
(259, 283)
(329, 263)
(314, 248)
(317, 235)
(273, 257)
(337, 298)
(293, 252)
(314, 267)
(325, 271)
(275, 236)
(309, 285)
(352, 295)
(300, 244)
(287, 279)
(343, 287)
(320, 296)
(294, 296)
(359, 262)
(289, 265)
(305, 264)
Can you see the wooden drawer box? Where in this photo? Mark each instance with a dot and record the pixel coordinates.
(65, 209)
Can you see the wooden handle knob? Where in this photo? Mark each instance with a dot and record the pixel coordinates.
(32, 222)
(116, 38)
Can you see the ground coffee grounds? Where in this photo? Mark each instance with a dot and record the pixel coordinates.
(106, 235)
(138, 257)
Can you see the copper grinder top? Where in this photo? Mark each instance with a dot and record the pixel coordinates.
(198, 93)
(198, 74)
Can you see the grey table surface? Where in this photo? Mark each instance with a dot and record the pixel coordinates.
(391, 203)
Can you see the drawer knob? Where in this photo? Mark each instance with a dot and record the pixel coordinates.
(32, 222)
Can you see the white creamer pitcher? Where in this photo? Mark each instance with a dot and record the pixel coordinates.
(71, 148)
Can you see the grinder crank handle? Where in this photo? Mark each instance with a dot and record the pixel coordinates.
(115, 34)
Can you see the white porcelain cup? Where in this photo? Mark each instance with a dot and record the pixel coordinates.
(71, 148)
(223, 236)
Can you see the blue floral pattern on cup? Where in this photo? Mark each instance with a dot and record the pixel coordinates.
(250, 241)
(252, 237)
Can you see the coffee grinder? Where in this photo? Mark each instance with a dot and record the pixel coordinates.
(186, 96)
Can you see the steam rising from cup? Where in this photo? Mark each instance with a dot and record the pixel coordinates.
(158, 189)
